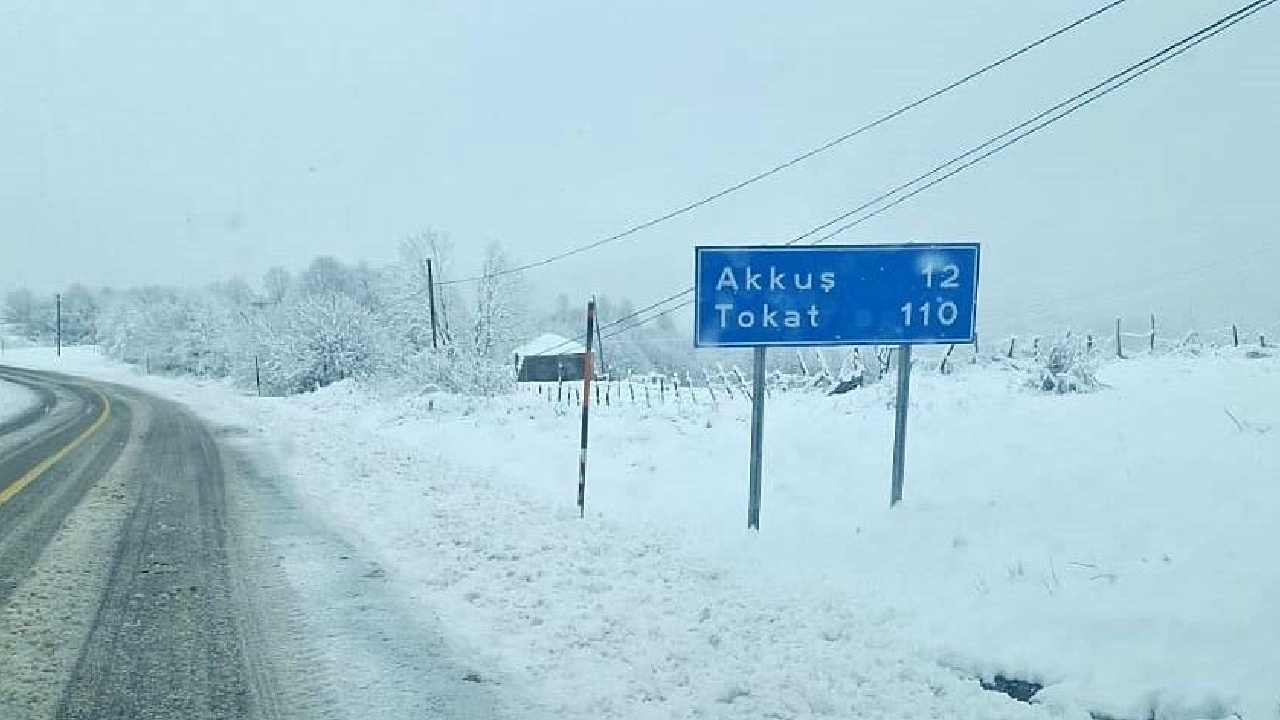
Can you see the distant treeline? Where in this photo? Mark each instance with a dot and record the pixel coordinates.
(299, 331)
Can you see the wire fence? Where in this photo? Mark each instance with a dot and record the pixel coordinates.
(814, 372)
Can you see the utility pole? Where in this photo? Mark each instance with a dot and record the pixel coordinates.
(431, 296)
(59, 324)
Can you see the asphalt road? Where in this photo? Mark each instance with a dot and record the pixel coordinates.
(116, 560)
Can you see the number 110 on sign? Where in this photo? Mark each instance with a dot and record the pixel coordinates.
(941, 311)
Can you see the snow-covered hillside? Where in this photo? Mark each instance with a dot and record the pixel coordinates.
(1115, 547)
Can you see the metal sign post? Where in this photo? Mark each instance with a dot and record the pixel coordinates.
(757, 438)
(770, 296)
(900, 423)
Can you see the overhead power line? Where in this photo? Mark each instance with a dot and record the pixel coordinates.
(690, 207)
(979, 153)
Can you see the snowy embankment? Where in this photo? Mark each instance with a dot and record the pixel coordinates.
(14, 400)
(1114, 547)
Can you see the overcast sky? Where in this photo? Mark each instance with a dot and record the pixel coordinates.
(184, 142)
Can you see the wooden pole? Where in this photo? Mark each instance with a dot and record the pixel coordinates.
(586, 407)
(431, 298)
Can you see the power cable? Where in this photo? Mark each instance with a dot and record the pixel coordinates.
(690, 207)
(992, 146)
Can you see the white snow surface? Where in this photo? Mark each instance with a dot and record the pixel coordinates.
(14, 400)
(1116, 547)
(549, 344)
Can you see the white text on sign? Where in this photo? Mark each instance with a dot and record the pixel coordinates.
(772, 280)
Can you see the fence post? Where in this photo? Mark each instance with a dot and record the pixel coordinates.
(742, 383)
(1235, 335)
(1119, 341)
(1153, 332)
(822, 361)
(1013, 340)
(1262, 340)
(946, 359)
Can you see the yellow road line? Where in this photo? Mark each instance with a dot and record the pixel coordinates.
(29, 477)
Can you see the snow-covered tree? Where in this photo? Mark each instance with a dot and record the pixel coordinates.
(499, 317)
(277, 283)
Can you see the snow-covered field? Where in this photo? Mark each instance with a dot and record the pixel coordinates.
(1115, 547)
(14, 400)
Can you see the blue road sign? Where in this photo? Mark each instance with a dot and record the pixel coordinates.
(913, 294)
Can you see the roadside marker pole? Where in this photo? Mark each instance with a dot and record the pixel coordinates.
(900, 423)
(757, 437)
(586, 406)
(59, 324)
(257, 374)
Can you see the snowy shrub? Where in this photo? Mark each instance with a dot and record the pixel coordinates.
(453, 370)
(319, 340)
(167, 331)
(1064, 366)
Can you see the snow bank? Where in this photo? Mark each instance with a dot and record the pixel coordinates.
(1115, 547)
(14, 400)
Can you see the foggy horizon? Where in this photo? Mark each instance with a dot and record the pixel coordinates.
(212, 143)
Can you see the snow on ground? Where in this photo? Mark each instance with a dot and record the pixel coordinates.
(1116, 547)
(14, 400)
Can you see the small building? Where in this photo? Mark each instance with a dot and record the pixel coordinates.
(549, 358)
